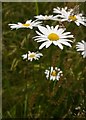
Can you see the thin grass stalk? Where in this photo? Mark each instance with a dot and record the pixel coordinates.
(37, 9)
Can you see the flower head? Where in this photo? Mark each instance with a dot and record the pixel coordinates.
(45, 17)
(81, 46)
(50, 35)
(28, 24)
(53, 73)
(32, 55)
(66, 14)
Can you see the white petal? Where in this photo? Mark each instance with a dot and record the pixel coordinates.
(28, 21)
(48, 44)
(24, 56)
(39, 33)
(51, 69)
(41, 40)
(66, 43)
(68, 36)
(78, 24)
(60, 45)
(43, 30)
(42, 45)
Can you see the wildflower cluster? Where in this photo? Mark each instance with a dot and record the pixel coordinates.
(56, 35)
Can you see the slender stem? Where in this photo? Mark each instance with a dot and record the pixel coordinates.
(25, 105)
(82, 32)
(54, 86)
(84, 84)
(37, 9)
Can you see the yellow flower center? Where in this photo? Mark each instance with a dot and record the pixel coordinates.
(53, 37)
(26, 25)
(72, 17)
(32, 55)
(54, 73)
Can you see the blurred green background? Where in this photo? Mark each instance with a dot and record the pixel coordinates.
(26, 91)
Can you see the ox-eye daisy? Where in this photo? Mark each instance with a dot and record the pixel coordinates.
(53, 73)
(66, 14)
(50, 35)
(81, 46)
(32, 55)
(28, 24)
(45, 17)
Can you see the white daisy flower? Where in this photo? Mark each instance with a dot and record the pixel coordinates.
(53, 73)
(81, 46)
(65, 14)
(29, 24)
(32, 55)
(45, 17)
(50, 35)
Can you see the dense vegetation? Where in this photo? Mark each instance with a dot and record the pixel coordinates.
(26, 91)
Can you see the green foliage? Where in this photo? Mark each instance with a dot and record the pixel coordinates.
(26, 92)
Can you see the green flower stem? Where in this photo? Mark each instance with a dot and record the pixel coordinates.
(82, 32)
(61, 59)
(37, 9)
(54, 84)
(25, 104)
